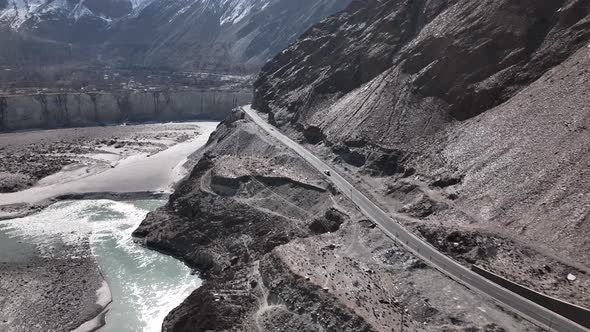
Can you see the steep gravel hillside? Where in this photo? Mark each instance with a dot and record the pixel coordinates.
(466, 119)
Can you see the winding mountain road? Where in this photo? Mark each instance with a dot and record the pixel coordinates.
(436, 259)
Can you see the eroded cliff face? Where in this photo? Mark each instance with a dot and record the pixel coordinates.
(84, 109)
(460, 117)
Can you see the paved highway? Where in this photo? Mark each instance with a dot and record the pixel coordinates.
(438, 260)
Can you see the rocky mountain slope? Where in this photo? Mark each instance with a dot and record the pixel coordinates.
(468, 120)
(222, 35)
(281, 250)
(229, 35)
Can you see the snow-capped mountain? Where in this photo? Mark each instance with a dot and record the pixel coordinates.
(233, 11)
(16, 13)
(214, 35)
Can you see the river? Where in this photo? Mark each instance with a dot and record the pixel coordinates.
(145, 285)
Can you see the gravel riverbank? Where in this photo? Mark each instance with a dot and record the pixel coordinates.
(54, 288)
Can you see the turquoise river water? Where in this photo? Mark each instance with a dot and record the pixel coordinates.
(145, 285)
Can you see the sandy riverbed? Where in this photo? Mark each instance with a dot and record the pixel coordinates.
(121, 159)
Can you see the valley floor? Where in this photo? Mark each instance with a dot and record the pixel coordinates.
(62, 287)
(38, 166)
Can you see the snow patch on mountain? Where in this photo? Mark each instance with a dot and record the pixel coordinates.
(17, 12)
(237, 10)
(229, 11)
(80, 11)
(139, 5)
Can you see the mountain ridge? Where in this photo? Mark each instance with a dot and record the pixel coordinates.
(193, 35)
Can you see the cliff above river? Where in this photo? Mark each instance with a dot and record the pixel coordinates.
(75, 109)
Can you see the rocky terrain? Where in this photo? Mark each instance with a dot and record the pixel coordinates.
(467, 120)
(280, 249)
